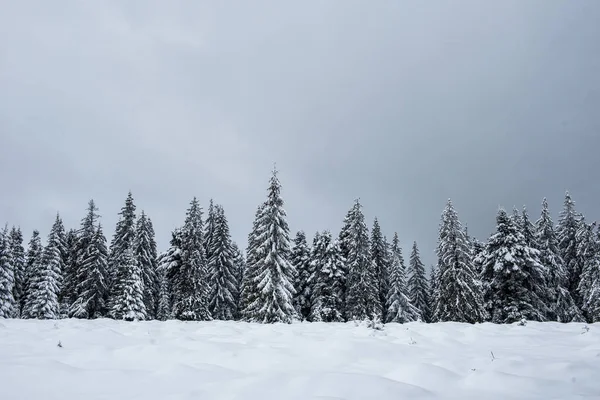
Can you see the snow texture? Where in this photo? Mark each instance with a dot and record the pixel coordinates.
(218, 360)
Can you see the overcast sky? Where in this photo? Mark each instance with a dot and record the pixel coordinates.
(401, 103)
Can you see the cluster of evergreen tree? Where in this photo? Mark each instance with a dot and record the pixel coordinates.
(525, 270)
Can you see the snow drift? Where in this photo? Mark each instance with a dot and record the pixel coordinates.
(105, 359)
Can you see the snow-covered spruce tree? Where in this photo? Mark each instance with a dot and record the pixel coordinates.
(560, 304)
(33, 263)
(17, 256)
(7, 280)
(301, 261)
(528, 229)
(46, 287)
(362, 289)
(146, 257)
(274, 274)
(209, 229)
(327, 262)
(434, 286)
(92, 285)
(459, 297)
(190, 284)
(84, 246)
(399, 307)
(168, 270)
(119, 264)
(249, 291)
(588, 257)
(129, 304)
(513, 276)
(418, 288)
(569, 222)
(239, 267)
(68, 290)
(379, 261)
(221, 267)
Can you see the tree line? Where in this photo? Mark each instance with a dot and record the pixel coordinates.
(526, 270)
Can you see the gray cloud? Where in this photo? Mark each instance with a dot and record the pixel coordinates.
(398, 103)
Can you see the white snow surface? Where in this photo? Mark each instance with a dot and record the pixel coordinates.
(105, 359)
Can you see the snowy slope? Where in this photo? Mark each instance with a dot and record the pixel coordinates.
(106, 359)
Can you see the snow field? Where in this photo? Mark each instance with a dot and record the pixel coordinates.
(106, 359)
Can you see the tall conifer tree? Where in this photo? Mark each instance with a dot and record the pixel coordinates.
(459, 296)
(418, 288)
(399, 307)
(7, 279)
(17, 255)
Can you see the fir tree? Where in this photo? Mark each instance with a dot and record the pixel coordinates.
(328, 264)
(399, 307)
(273, 273)
(568, 224)
(301, 261)
(459, 297)
(210, 229)
(239, 266)
(362, 296)
(146, 258)
(513, 276)
(190, 283)
(561, 306)
(168, 270)
(92, 278)
(129, 301)
(222, 272)
(85, 273)
(7, 280)
(121, 250)
(68, 292)
(418, 289)
(379, 262)
(249, 292)
(47, 281)
(588, 257)
(17, 255)
(33, 264)
(528, 229)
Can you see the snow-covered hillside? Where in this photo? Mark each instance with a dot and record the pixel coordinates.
(105, 359)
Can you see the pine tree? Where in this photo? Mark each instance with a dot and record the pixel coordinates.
(528, 229)
(68, 292)
(399, 307)
(459, 295)
(119, 263)
(47, 282)
(273, 273)
(568, 224)
(92, 278)
(588, 258)
(7, 279)
(17, 255)
(301, 261)
(249, 292)
(222, 272)
(129, 301)
(239, 266)
(561, 306)
(210, 229)
(513, 276)
(168, 270)
(418, 289)
(379, 262)
(328, 265)
(33, 264)
(362, 289)
(146, 258)
(190, 283)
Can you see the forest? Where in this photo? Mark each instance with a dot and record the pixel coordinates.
(527, 270)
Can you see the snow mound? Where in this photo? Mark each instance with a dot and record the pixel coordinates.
(105, 359)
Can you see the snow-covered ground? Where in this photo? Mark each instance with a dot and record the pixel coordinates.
(106, 359)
